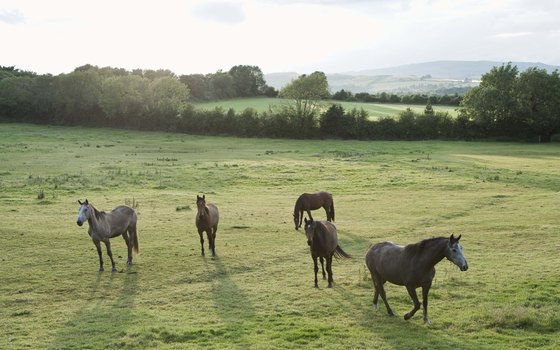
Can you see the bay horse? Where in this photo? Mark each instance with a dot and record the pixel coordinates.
(207, 218)
(313, 201)
(411, 266)
(103, 226)
(323, 243)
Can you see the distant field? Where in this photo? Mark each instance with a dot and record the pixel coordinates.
(374, 110)
(258, 293)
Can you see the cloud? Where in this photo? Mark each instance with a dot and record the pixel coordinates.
(12, 16)
(511, 35)
(221, 12)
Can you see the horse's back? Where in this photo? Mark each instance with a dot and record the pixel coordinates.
(386, 260)
(121, 219)
(214, 213)
(329, 235)
(314, 201)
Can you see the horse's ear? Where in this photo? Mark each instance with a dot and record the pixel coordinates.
(87, 201)
(451, 239)
(304, 219)
(458, 238)
(197, 197)
(79, 202)
(203, 197)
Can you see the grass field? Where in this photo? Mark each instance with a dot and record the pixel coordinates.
(375, 110)
(258, 293)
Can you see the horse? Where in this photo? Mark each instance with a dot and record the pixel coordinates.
(103, 226)
(411, 266)
(312, 201)
(323, 243)
(207, 218)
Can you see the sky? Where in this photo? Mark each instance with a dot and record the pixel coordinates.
(333, 36)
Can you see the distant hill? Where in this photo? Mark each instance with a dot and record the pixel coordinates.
(437, 77)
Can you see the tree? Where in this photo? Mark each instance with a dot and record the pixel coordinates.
(198, 86)
(538, 94)
(307, 91)
(248, 81)
(77, 96)
(492, 105)
(221, 85)
(168, 99)
(123, 98)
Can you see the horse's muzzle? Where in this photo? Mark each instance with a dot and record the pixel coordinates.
(309, 242)
(80, 223)
(464, 267)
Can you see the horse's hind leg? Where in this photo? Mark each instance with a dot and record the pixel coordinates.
(110, 253)
(412, 292)
(129, 247)
(380, 289)
(376, 291)
(329, 270)
(211, 237)
(98, 246)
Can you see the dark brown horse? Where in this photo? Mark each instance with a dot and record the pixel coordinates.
(207, 219)
(313, 201)
(103, 226)
(411, 266)
(323, 243)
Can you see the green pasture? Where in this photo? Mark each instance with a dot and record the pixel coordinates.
(258, 293)
(375, 110)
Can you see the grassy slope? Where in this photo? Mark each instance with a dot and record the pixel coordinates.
(375, 110)
(501, 197)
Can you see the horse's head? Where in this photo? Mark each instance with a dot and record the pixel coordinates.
(83, 213)
(310, 226)
(201, 205)
(454, 253)
(296, 221)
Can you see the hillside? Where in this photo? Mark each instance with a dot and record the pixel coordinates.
(437, 77)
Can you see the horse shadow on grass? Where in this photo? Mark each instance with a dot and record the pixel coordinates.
(232, 304)
(392, 329)
(103, 319)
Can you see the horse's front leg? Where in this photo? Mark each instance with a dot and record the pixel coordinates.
(100, 253)
(110, 253)
(412, 292)
(201, 242)
(323, 267)
(425, 290)
(316, 269)
(308, 213)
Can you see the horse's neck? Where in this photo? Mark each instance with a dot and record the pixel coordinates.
(432, 253)
(94, 221)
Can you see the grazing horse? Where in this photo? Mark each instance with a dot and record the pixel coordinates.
(103, 226)
(323, 243)
(411, 266)
(313, 201)
(207, 219)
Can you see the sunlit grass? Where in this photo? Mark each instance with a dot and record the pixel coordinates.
(258, 292)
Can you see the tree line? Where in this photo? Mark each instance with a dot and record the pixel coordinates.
(384, 97)
(507, 104)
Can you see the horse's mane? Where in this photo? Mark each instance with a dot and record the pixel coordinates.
(415, 248)
(98, 213)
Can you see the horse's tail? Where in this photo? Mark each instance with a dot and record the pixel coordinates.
(134, 237)
(339, 253)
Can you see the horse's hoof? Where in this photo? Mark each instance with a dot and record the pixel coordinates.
(316, 286)
(330, 285)
(101, 270)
